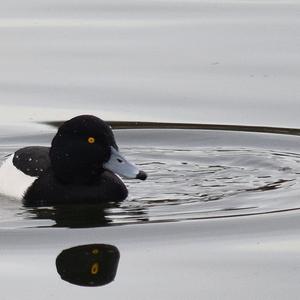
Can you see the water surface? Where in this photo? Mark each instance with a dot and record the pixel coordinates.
(223, 62)
(216, 203)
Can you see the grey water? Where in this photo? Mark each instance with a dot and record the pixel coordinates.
(216, 202)
(218, 217)
(223, 62)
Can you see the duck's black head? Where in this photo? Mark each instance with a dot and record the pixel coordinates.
(83, 147)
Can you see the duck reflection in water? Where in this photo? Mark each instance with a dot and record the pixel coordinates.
(89, 215)
(73, 216)
(88, 265)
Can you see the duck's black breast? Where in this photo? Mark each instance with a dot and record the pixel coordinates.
(47, 190)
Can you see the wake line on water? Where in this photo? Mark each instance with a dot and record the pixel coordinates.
(164, 125)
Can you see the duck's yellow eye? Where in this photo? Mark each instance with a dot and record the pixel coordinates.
(91, 140)
(95, 269)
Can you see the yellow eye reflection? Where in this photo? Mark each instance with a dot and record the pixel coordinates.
(95, 251)
(91, 140)
(95, 269)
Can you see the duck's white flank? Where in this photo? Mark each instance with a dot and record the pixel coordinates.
(13, 182)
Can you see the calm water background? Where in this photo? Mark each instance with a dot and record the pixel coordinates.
(218, 217)
(189, 61)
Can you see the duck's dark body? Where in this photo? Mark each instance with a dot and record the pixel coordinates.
(48, 190)
(32, 161)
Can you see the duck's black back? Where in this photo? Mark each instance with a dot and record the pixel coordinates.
(33, 160)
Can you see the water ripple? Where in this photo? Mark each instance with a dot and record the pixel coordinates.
(210, 182)
(183, 184)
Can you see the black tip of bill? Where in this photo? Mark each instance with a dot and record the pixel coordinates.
(141, 175)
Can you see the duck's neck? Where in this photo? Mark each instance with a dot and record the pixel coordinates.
(71, 170)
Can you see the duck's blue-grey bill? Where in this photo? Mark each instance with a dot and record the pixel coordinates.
(121, 166)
